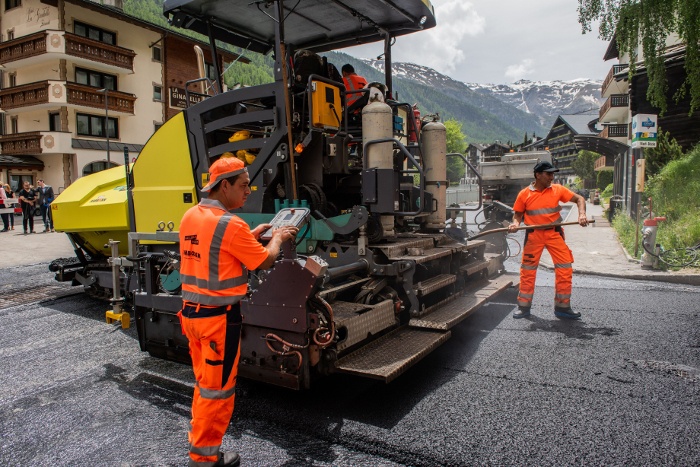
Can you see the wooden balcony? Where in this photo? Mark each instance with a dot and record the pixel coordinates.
(606, 89)
(615, 131)
(88, 96)
(35, 142)
(25, 95)
(51, 94)
(49, 45)
(615, 108)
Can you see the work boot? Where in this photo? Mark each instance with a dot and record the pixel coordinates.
(230, 458)
(566, 313)
(523, 312)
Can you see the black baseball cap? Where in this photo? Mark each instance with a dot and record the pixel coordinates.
(545, 166)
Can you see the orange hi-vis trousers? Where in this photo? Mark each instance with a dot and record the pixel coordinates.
(535, 241)
(214, 340)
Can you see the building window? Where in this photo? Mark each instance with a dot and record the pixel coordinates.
(93, 125)
(9, 4)
(17, 181)
(157, 93)
(12, 79)
(211, 71)
(156, 126)
(91, 32)
(10, 33)
(55, 121)
(157, 54)
(98, 166)
(14, 128)
(95, 79)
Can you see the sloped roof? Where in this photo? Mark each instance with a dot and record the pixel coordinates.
(102, 145)
(21, 161)
(579, 123)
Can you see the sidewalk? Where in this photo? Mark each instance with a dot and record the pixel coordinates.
(18, 249)
(597, 251)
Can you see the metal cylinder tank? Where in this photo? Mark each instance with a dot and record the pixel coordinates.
(434, 138)
(377, 123)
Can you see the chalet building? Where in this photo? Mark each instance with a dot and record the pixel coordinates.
(80, 81)
(626, 98)
(494, 152)
(560, 142)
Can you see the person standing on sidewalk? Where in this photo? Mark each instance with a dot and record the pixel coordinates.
(10, 195)
(46, 197)
(539, 204)
(217, 250)
(27, 197)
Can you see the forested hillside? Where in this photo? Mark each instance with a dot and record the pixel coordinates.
(478, 125)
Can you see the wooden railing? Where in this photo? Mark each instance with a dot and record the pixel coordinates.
(616, 100)
(615, 69)
(77, 94)
(600, 163)
(80, 94)
(615, 131)
(90, 49)
(24, 95)
(76, 46)
(23, 47)
(21, 143)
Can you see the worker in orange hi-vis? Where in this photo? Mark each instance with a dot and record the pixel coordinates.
(353, 82)
(539, 204)
(217, 249)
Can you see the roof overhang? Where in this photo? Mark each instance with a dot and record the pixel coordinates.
(602, 146)
(21, 162)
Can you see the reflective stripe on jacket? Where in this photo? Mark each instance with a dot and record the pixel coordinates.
(215, 245)
(542, 207)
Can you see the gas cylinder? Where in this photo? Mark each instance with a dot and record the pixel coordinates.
(434, 138)
(377, 123)
(650, 258)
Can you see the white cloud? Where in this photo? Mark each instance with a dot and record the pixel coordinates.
(520, 70)
(442, 47)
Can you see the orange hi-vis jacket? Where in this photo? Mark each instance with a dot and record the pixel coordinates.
(216, 249)
(354, 82)
(542, 207)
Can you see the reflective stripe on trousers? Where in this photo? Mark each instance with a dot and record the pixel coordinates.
(562, 258)
(214, 343)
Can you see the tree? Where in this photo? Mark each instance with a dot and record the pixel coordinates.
(583, 166)
(650, 22)
(666, 150)
(456, 142)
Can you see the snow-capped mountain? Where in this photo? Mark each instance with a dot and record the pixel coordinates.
(547, 99)
(542, 99)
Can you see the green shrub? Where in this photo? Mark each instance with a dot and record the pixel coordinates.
(604, 178)
(626, 231)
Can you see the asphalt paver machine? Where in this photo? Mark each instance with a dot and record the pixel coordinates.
(372, 283)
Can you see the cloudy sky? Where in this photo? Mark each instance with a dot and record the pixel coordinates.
(502, 41)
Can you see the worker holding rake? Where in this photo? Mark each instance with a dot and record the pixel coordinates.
(539, 205)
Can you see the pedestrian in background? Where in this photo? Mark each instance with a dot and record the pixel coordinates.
(10, 196)
(3, 205)
(217, 250)
(539, 204)
(27, 197)
(46, 197)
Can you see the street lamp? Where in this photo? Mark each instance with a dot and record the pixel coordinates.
(105, 91)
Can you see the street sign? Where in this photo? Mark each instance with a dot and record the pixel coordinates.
(644, 131)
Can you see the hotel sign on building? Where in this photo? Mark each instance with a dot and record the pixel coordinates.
(178, 98)
(644, 131)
